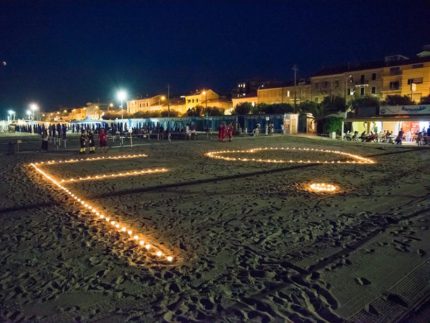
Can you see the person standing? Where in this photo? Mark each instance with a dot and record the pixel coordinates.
(83, 142)
(102, 140)
(221, 132)
(45, 139)
(230, 132)
(64, 135)
(91, 142)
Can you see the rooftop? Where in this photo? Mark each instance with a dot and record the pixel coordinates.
(368, 65)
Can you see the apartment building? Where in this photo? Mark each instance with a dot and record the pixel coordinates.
(396, 75)
(207, 97)
(287, 93)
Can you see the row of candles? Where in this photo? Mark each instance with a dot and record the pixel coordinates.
(356, 158)
(115, 175)
(126, 231)
(98, 158)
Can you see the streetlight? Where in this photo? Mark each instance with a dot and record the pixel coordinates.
(121, 95)
(33, 107)
(295, 69)
(28, 113)
(205, 93)
(162, 99)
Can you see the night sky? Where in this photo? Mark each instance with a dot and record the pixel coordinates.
(67, 53)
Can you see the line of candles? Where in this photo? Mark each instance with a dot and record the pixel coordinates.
(127, 232)
(115, 175)
(357, 159)
(322, 188)
(77, 160)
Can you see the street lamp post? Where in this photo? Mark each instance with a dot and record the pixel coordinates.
(168, 100)
(205, 93)
(295, 69)
(121, 96)
(33, 108)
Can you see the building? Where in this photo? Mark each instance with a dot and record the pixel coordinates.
(152, 104)
(396, 75)
(253, 99)
(156, 104)
(287, 93)
(249, 88)
(207, 98)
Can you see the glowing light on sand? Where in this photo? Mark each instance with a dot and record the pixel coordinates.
(89, 159)
(115, 175)
(125, 231)
(223, 154)
(322, 188)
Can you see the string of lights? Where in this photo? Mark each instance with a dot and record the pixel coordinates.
(356, 159)
(115, 175)
(89, 159)
(126, 232)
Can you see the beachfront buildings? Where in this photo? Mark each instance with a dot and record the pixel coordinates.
(396, 75)
(91, 111)
(207, 98)
(290, 93)
(155, 103)
(159, 103)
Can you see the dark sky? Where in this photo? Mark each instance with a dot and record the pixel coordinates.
(66, 53)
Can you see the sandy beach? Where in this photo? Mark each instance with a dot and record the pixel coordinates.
(249, 243)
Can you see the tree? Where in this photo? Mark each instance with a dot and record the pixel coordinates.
(312, 107)
(195, 112)
(425, 100)
(333, 104)
(146, 114)
(213, 111)
(364, 102)
(278, 108)
(398, 100)
(243, 108)
(332, 124)
(110, 116)
(172, 113)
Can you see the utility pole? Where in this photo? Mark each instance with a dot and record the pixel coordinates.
(168, 100)
(295, 69)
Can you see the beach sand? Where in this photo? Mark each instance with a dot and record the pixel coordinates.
(249, 243)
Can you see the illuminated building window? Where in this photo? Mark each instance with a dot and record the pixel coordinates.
(417, 80)
(395, 85)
